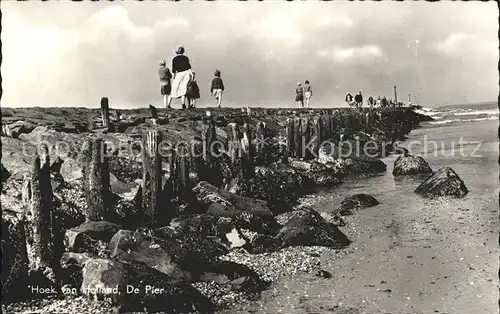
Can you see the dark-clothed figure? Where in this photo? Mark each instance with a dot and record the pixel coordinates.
(359, 99)
(165, 81)
(299, 95)
(217, 87)
(182, 74)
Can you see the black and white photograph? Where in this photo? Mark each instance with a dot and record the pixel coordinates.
(235, 157)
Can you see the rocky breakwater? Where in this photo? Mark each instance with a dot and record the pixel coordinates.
(109, 206)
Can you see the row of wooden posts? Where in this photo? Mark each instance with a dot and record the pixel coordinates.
(241, 150)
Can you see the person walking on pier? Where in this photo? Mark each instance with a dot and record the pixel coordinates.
(165, 81)
(299, 95)
(181, 69)
(193, 91)
(371, 102)
(307, 93)
(217, 87)
(359, 100)
(349, 99)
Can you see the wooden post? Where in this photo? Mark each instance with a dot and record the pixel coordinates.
(306, 137)
(39, 207)
(290, 136)
(297, 137)
(105, 112)
(262, 148)
(211, 170)
(247, 152)
(234, 148)
(151, 175)
(395, 95)
(181, 161)
(97, 188)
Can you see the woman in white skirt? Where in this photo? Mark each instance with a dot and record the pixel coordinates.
(182, 75)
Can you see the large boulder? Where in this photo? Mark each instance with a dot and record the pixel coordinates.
(245, 212)
(308, 228)
(355, 202)
(278, 184)
(5, 174)
(90, 236)
(17, 155)
(410, 165)
(165, 251)
(443, 182)
(317, 174)
(71, 268)
(363, 165)
(17, 128)
(133, 286)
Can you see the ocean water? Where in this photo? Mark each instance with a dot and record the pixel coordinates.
(470, 148)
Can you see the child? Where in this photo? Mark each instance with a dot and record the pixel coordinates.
(165, 84)
(193, 92)
(307, 93)
(299, 95)
(217, 87)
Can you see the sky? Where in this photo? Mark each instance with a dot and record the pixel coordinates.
(72, 54)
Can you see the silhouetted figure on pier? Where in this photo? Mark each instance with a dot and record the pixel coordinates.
(307, 93)
(359, 100)
(193, 92)
(182, 75)
(217, 88)
(165, 81)
(349, 99)
(299, 95)
(371, 102)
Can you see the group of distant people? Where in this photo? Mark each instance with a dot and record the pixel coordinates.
(303, 93)
(181, 82)
(380, 102)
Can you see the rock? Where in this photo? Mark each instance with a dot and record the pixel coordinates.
(71, 267)
(239, 277)
(410, 165)
(228, 204)
(5, 173)
(323, 274)
(14, 257)
(177, 255)
(17, 155)
(308, 228)
(278, 184)
(263, 243)
(55, 165)
(17, 128)
(71, 170)
(90, 236)
(317, 174)
(333, 219)
(443, 182)
(360, 165)
(127, 245)
(128, 191)
(101, 276)
(355, 202)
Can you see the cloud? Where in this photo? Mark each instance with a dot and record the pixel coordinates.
(92, 50)
(365, 53)
(453, 42)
